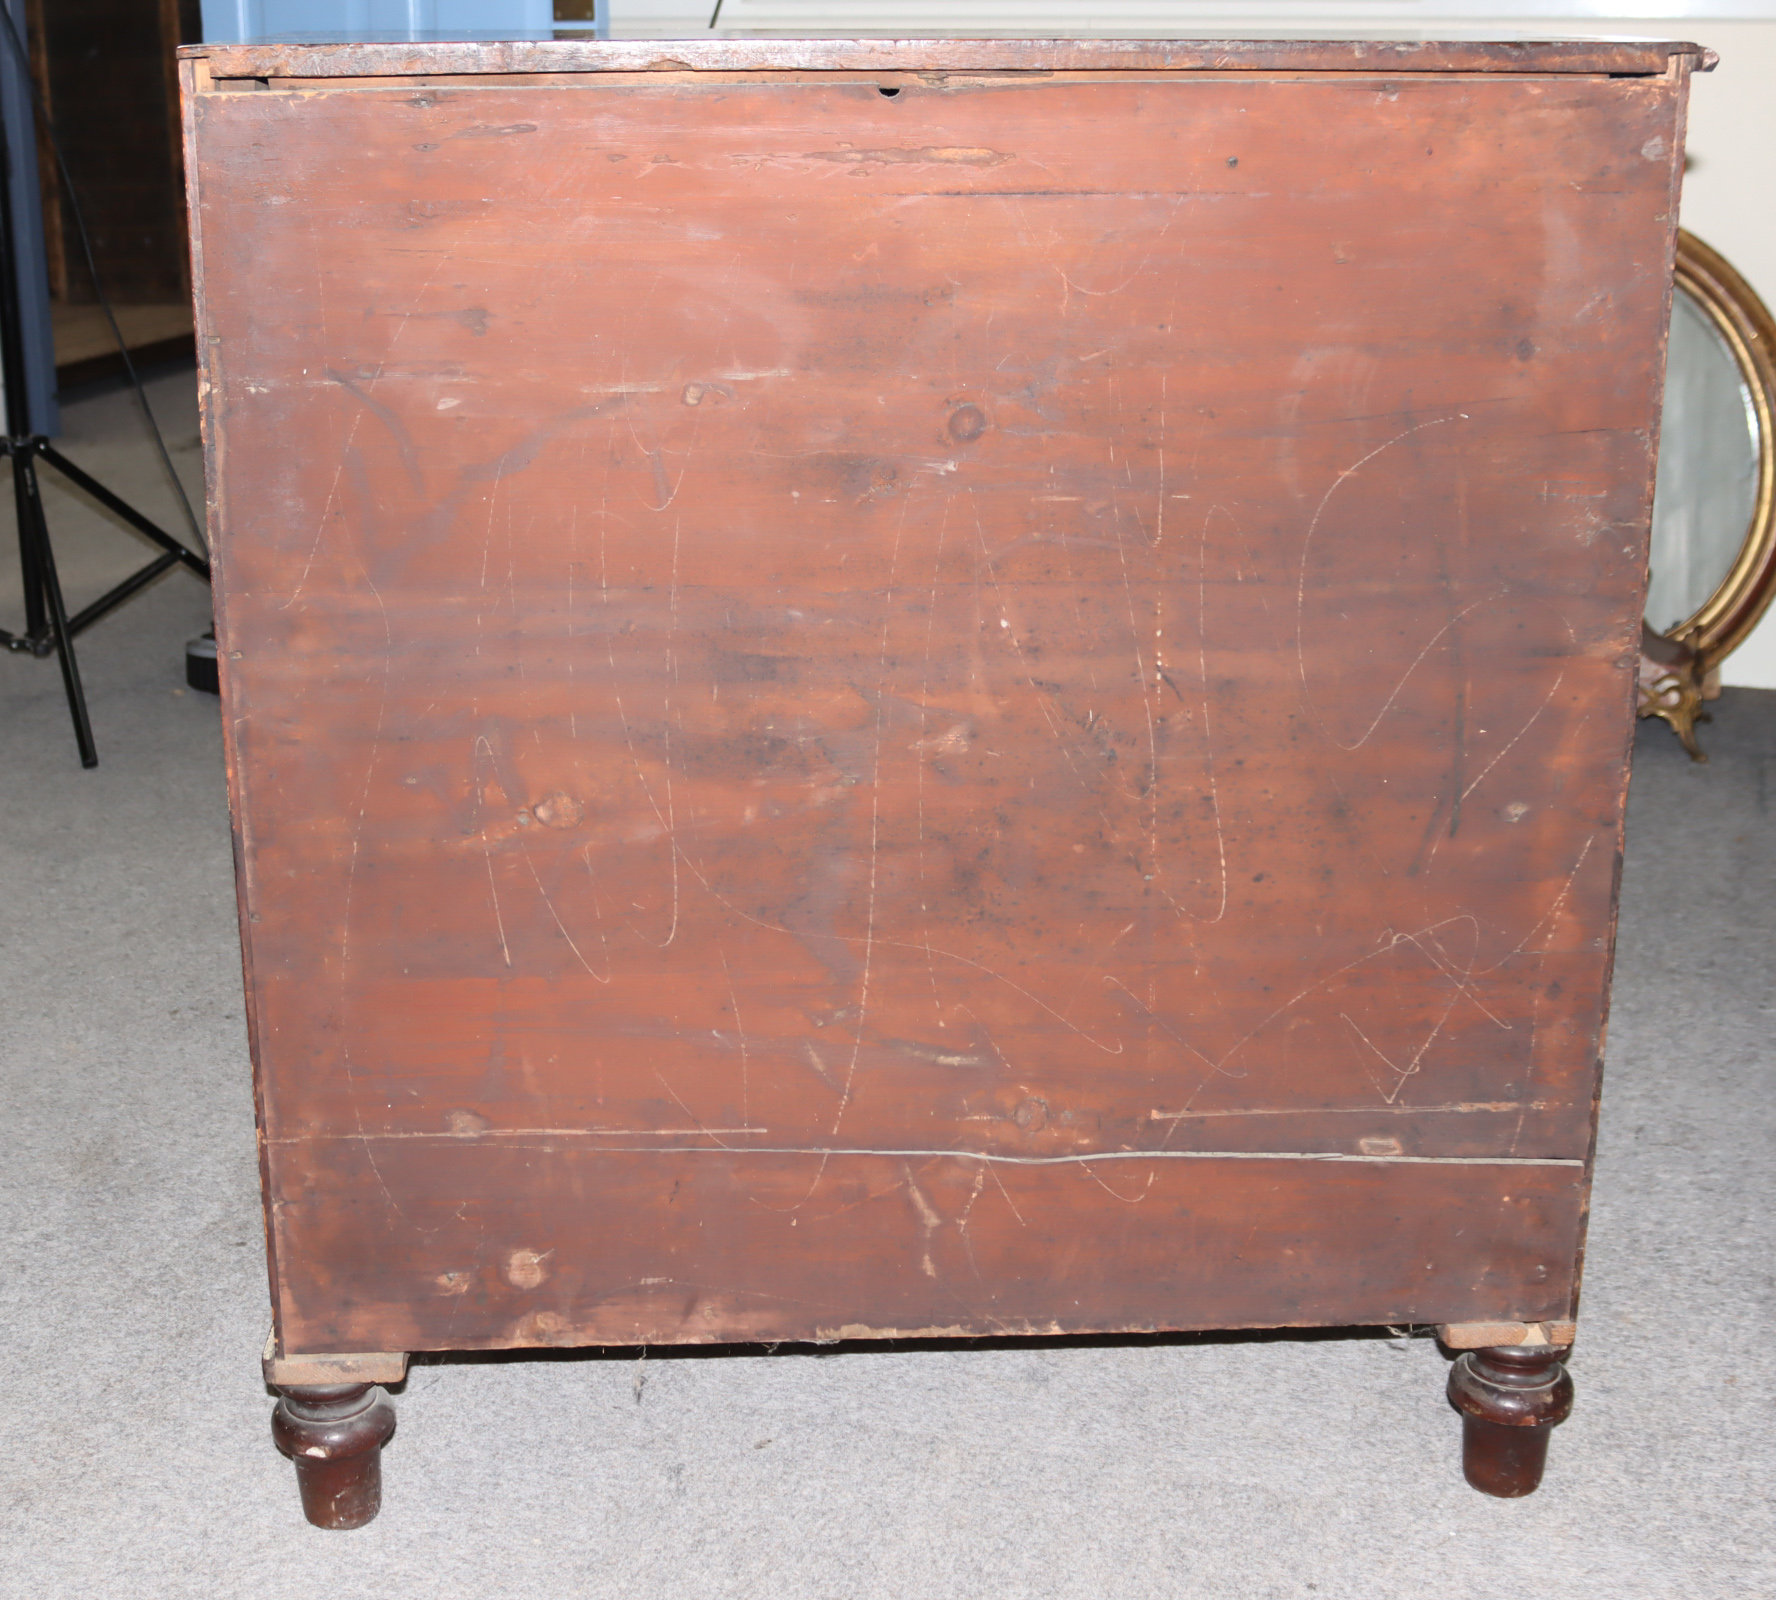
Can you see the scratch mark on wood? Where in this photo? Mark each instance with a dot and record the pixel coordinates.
(993, 1157)
(499, 921)
(683, 1107)
(925, 155)
(929, 1220)
(601, 977)
(1301, 595)
(1553, 910)
(740, 1028)
(1547, 700)
(869, 925)
(1116, 1194)
(1462, 1108)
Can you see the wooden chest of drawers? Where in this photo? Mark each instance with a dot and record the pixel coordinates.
(884, 687)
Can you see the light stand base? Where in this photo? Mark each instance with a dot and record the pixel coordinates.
(200, 664)
(48, 627)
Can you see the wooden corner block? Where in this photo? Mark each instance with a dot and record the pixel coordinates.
(381, 1366)
(1485, 1335)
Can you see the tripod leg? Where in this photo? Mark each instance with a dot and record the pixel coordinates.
(28, 569)
(50, 590)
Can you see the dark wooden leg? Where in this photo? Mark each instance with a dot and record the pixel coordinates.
(335, 1434)
(1511, 1398)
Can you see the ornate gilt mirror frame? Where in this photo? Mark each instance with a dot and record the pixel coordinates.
(1680, 667)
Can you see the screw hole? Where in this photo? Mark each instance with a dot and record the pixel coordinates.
(886, 91)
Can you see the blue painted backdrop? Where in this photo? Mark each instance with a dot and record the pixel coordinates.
(346, 19)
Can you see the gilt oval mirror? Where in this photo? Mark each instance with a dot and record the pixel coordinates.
(1713, 559)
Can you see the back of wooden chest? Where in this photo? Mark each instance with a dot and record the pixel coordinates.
(968, 703)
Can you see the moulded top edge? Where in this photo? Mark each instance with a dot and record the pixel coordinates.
(735, 54)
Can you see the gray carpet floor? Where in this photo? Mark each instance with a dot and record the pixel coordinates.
(137, 1461)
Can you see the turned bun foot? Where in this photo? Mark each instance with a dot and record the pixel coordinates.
(335, 1433)
(1511, 1398)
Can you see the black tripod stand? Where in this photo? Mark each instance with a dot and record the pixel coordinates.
(48, 627)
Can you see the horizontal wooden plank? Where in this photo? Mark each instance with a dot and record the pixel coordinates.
(473, 1245)
(1637, 57)
(379, 1366)
(1484, 1335)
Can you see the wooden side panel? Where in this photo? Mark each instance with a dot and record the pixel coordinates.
(1004, 707)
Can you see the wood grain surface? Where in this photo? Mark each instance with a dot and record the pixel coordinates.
(996, 708)
(941, 55)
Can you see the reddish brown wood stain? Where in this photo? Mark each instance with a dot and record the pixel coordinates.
(999, 708)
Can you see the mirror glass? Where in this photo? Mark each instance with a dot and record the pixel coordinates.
(1708, 459)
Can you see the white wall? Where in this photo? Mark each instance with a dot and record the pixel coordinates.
(1730, 201)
